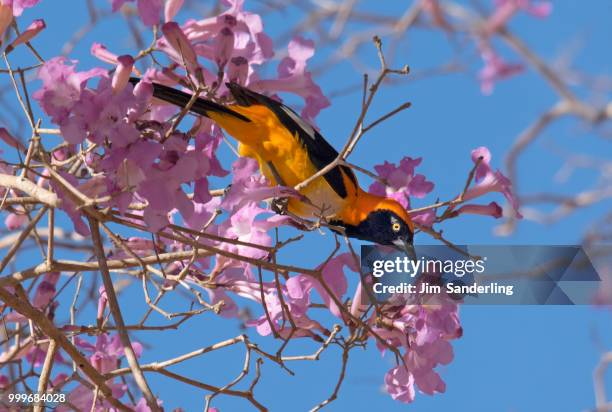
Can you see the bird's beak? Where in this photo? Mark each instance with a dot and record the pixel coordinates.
(406, 247)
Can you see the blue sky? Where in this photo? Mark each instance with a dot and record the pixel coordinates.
(510, 358)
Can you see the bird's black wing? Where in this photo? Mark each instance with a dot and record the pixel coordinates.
(179, 98)
(320, 152)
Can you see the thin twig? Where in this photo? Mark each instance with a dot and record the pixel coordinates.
(115, 310)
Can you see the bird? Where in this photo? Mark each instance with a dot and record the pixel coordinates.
(289, 150)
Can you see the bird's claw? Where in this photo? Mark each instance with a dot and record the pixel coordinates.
(280, 205)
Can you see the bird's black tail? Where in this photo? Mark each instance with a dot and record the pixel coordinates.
(179, 98)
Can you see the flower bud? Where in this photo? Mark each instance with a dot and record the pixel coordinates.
(176, 38)
(123, 72)
(101, 52)
(33, 29)
(492, 209)
(171, 8)
(224, 46)
(10, 140)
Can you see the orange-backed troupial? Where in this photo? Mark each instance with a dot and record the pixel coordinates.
(289, 151)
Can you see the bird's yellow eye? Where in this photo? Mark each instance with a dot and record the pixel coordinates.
(396, 227)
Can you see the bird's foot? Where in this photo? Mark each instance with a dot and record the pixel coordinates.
(280, 205)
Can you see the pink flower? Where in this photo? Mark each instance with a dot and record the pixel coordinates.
(36, 355)
(10, 8)
(42, 298)
(20, 5)
(45, 291)
(423, 331)
(495, 68)
(136, 165)
(421, 361)
(248, 186)
(98, 115)
(123, 72)
(62, 88)
(139, 245)
(492, 209)
(239, 280)
(132, 166)
(224, 46)
(82, 397)
(297, 300)
(161, 183)
(11, 140)
(142, 406)
(14, 221)
(505, 9)
(101, 52)
(6, 17)
(246, 225)
(107, 351)
(334, 277)
(28, 34)
(250, 40)
(238, 70)
(233, 39)
(171, 8)
(488, 181)
(401, 181)
(201, 194)
(148, 10)
(399, 383)
(181, 50)
(148, 170)
(424, 217)
(294, 78)
(69, 206)
(102, 302)
(297, 296)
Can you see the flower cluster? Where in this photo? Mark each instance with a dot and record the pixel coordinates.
(423, 331)
(105, 355)
(134, 154)
(488, 181)
(42, 299)
(401, 183)
(297, 297)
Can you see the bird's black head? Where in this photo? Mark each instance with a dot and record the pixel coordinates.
(384, 227)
